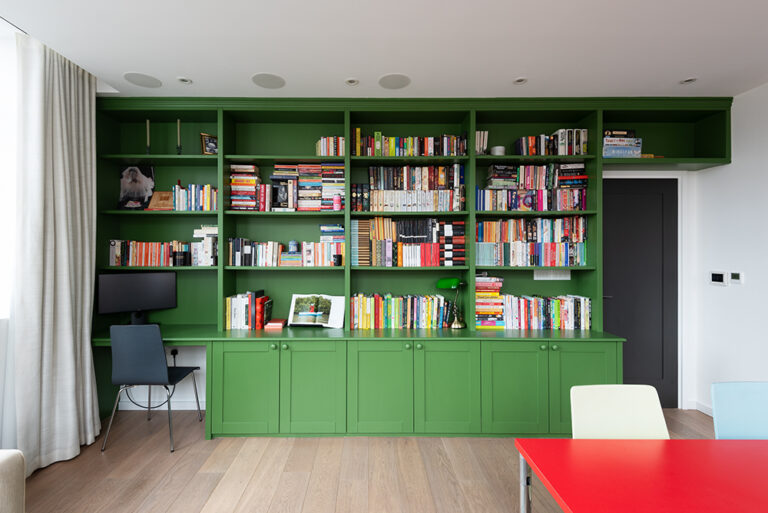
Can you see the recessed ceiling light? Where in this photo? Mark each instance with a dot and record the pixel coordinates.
(394, 81)
(689, 80)
(268, 80)
(142, 80)
(184, 80)
(520, 81)
(352, 82)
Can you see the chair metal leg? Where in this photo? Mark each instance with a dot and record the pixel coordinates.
(109, 426)
(149, 401)
(170, 420)
(197, 400)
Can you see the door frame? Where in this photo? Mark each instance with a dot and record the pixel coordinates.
(686, 277)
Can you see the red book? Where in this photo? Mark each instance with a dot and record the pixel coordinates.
(275, 324)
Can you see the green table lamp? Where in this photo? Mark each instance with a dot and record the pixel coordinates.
(453, 284)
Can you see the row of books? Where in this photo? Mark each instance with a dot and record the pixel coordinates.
(376, 311)
(201, 253)
(529, 254)
(385, 242)
(497, 311)
(415, 178)
(481, 142)
(529, 177)
(247, 253)
(195, 197)
(537, 229)
(565, 141)
(364, 200)
(378, 145)
(332, 146)
(247, 311)
(538, 200)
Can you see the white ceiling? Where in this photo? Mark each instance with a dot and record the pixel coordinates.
(449, 48)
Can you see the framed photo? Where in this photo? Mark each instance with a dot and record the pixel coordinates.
(210, 144)
(137, 184)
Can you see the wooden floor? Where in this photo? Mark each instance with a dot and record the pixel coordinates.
(311, 475)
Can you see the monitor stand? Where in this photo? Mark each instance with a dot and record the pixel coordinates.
(138, 318)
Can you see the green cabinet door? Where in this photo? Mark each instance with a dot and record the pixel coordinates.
(515, 387)
(446, 386)
(577, 363)
(380, 386)
(245, 387)
(313, 387)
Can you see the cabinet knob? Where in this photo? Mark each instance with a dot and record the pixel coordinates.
(555, 347)
(543, 347)
(419, 346)
(407, 346)
(285, 346)
(273, 346)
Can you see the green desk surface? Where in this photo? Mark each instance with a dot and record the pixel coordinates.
(195, 334)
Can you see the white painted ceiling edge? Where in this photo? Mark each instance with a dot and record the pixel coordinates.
(452, 48)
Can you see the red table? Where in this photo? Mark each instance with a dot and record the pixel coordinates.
(626, 476)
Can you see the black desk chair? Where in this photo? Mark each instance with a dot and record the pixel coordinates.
(138, 358)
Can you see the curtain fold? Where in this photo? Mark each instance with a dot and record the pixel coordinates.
(50, 325)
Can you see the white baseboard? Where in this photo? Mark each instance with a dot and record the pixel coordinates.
(175, 405)
(703, 408)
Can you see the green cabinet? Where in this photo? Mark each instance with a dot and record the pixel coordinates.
(447, 386)
(245, 387)
(515, 387)
(313, 387)
(577, 363)
(380, 387)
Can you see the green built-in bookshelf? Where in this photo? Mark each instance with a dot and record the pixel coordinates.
(690, 133)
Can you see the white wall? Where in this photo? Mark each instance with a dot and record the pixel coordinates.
(732, 235)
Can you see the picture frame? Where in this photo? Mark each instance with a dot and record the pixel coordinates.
(137, 186)
(210, 144)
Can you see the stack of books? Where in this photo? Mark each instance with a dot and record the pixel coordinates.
(489, 304)
(565, 141)
(452, 243)
(553, 187)
(205, 251)
(618, 144)
(333, 193)
(376, 311)
(547, 313)
(247, 311)
(559, 242)
(332, 146)
(244, 183)
(284, 190)
(310, 188)
(378, 145)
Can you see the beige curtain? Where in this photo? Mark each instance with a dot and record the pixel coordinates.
(50, 325)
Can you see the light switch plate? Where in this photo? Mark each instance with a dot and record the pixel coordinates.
(719, 278)
(736, 278)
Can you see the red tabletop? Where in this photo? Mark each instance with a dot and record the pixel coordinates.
(626, 476)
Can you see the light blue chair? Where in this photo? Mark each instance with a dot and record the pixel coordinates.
(740, 410)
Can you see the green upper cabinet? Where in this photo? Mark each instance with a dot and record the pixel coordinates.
(245, 387)
(313, 387)
(515, 387)
(380, 387)
(446, 386)
(577, 363)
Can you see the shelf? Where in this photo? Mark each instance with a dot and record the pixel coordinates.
(534, 268)
(281, 268)
(143, 158)
(324, 213)
(159, 212)
(289, 159)
(396, 269)
(409, 214)
(525, 213)
(535, 159)
(411, 160)
(158, 268)
(670, 164)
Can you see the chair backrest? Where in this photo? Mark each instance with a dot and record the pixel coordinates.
(740, 410)
(138, 356)
(617, 411)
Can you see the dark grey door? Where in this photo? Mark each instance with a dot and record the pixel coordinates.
(640, 280)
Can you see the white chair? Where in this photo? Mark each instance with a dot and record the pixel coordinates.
(617, 411)
(11, 481)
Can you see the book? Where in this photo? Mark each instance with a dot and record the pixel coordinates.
(161, 200)
(275, 324)
(316, 310)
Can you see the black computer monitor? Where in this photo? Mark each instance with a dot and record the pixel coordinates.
(136, 293)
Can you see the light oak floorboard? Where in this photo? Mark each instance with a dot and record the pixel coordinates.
(137, 473)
